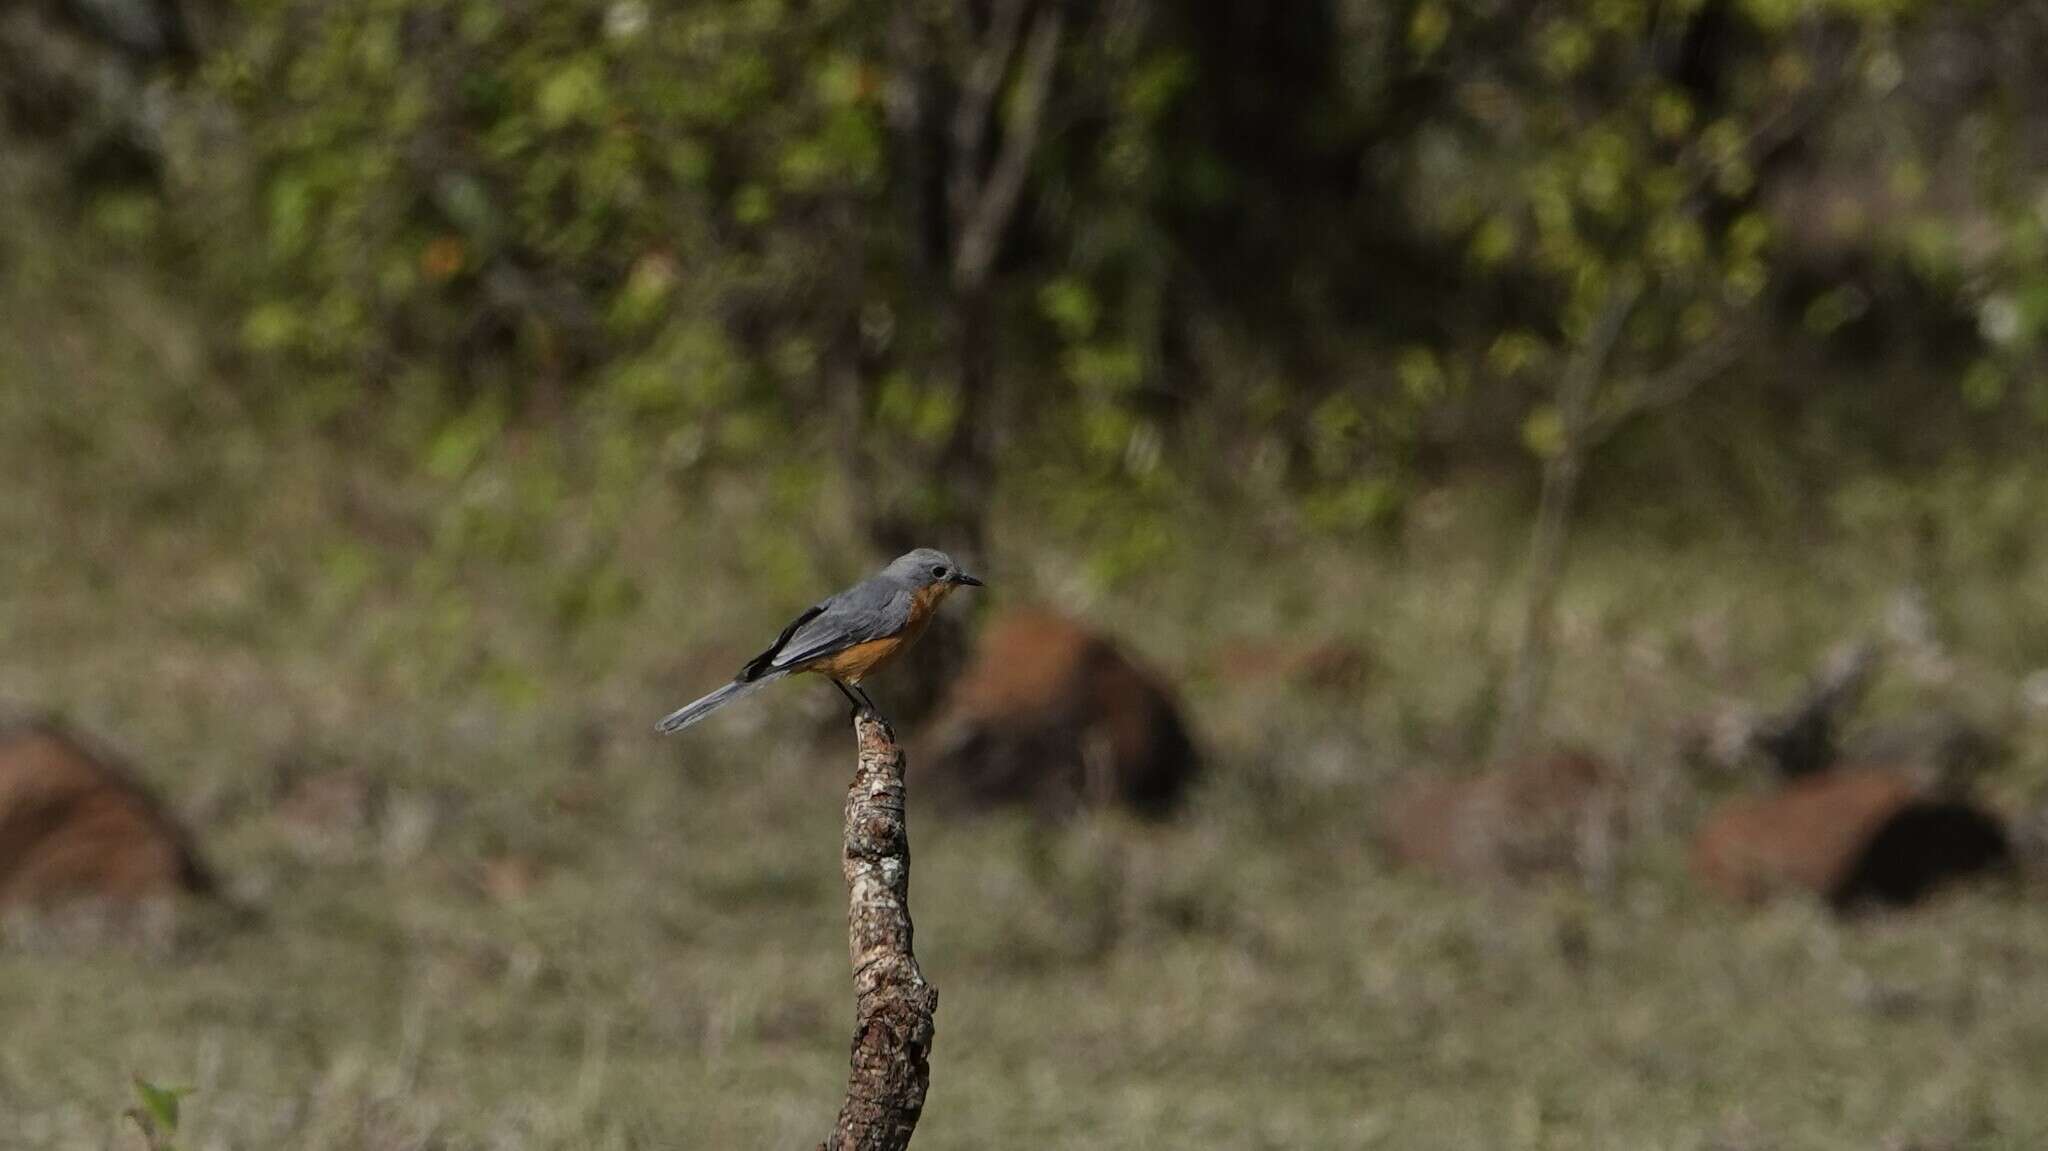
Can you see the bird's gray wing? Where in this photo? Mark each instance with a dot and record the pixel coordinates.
(764, 663)
(866, 611)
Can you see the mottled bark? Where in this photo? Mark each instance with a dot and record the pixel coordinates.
(892, 1038)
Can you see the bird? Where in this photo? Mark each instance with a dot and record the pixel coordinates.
(847, 637)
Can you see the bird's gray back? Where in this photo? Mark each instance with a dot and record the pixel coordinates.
(871, 609)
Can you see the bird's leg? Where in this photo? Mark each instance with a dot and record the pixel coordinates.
(870, 704)
(848, 694)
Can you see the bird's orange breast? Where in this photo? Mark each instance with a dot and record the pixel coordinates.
(862, 659)
(865, 659)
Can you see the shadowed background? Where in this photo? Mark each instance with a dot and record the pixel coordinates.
(1518, 578)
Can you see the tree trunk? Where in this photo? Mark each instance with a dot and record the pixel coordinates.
(963, 479)
(967, 465)
(1529, 677)
(892, 1038)
(1529, 680)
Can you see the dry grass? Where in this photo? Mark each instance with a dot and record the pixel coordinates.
(544, 928)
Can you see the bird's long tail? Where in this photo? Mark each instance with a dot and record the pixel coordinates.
(690, 713)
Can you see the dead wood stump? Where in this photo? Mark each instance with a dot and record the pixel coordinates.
(892, 1038)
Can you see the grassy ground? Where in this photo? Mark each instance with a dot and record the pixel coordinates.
(551, 930)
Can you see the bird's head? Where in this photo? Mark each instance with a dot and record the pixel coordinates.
(929, 568)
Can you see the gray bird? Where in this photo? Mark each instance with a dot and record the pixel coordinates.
(848, 637)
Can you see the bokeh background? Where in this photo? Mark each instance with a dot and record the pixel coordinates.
(405, 402)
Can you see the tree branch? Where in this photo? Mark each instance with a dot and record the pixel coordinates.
(1670, 386)
(892, 1038)
(1786, 124)
(975, 250)
(971, 114)
(1585, 369)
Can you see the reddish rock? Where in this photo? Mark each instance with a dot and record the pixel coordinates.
(1848, 835)
(1053, 715)
(1546, 814)
(77, 825)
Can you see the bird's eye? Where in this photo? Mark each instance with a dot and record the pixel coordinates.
(939, 571)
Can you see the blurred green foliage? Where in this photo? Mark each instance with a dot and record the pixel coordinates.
(1304, 252)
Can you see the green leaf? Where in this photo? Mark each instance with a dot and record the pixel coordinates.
(1428, 29)
(1072, 307)
(1835, 307)
(1422, 377)
(1671, 113)
(752, 205)
(1495, 240)
(1984, 385)
(161, 1102)
(463, 441)
(1512, 352)
(1152, 88)
(158, 1114)
(270, 326)
(1564, 47)
(574, 93)
(1543, 432)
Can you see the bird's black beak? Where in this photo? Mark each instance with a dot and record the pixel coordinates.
(970, 581)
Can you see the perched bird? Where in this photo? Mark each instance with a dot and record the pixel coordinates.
(848, 637)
